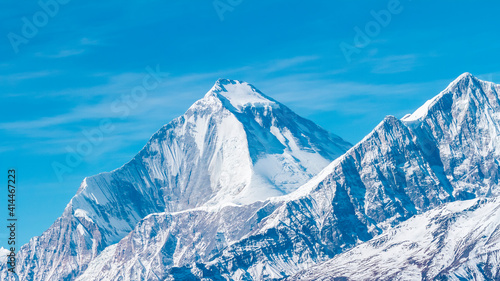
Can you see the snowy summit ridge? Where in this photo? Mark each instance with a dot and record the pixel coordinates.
(238, 94)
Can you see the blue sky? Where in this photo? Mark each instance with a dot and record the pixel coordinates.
(66, 75)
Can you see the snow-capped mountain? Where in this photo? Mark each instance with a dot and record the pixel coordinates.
(190, 205)
(448, 150)
(457, 241)
(234, 146)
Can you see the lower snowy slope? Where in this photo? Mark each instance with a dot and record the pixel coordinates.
(457, 241)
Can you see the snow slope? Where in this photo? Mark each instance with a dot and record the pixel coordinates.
(457, 241)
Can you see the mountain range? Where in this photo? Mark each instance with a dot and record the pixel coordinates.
(242, 188)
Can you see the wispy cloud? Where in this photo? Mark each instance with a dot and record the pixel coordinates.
(23, 76)
(61, 54)
(282, 64)
(393, 64)
(90, 41)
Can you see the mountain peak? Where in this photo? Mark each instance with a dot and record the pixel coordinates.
(465, 75)
(239, 94)
(225, 81)
(463, 79)
(458, 85)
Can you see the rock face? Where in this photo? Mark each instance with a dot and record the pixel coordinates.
(457, 241)
(460, 130)
(212, 217)
(235, 146)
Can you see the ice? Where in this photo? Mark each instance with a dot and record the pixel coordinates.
(240, 94)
